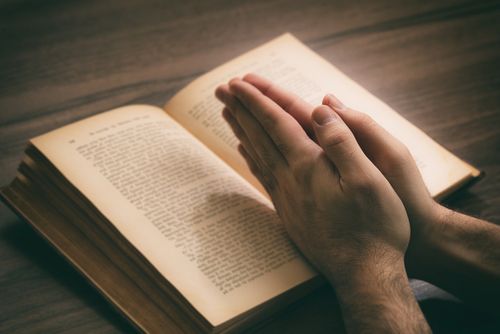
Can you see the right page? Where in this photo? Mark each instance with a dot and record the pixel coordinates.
(292, 65)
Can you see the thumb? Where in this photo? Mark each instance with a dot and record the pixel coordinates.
(387, 153)
(378, 144)
(338, 142)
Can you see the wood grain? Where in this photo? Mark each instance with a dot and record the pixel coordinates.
(436, 62)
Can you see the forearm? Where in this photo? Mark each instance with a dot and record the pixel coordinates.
(462, 256)
(379, 300)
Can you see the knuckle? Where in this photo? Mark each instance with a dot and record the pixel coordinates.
(302, 169)
(336, 137)
(363, 185)
(282, 147)
(366, 121)
(293, 104)
(268, 121)
(229, 99)
(248, 76)
(265, 177)
(398, 157)
(269, 161)
(254, 169)
(238, 131)
(269, 181)
(235, 111)
(403, 152)
(268, 88)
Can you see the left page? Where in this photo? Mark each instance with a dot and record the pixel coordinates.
(200, 224)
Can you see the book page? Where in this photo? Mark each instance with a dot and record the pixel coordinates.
(290, 64)
(200, 224)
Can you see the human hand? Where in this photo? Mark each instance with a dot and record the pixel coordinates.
(387, 153)
(336, 205)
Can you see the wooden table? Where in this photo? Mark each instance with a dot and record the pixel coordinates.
(436, 62)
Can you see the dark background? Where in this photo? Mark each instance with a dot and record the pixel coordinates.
(435, 62)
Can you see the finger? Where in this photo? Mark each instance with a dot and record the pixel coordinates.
(339, 143)
(245, 148)
(378, 144)
(373, 138)
(286, 133)
(386, 152)
(257, 171)
(252, 165)
(237, 130)
(291, 103)
(266, 153)
(370, 135)
(239, 133)
(233, 124)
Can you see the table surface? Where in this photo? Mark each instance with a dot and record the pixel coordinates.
(436, 62)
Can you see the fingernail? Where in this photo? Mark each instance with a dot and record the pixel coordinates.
(334, 102)
(323, 115)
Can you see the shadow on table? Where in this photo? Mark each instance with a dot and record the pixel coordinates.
(37, 251)
(446, 316)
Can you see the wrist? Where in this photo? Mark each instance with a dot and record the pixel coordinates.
(378, 298)
(426, 236)
(369, 272)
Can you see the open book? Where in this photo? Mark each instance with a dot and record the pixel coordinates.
(158, 210)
